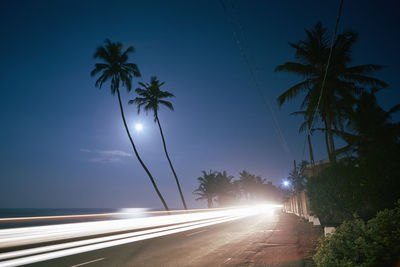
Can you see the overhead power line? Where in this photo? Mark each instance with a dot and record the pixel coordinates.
(254, 73)
(325, 74)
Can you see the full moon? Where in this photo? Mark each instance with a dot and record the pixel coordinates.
(138, 127)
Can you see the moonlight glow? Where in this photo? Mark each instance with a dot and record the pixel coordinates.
(139, 127)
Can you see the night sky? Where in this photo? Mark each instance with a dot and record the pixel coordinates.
(62, 141)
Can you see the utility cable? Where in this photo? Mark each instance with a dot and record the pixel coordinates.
(326, 72)
(256, 79)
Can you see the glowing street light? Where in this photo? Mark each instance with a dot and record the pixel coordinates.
(286, 183)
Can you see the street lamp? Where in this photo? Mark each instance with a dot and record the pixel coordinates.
(285, 183)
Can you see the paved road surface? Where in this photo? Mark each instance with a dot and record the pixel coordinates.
(209, 246)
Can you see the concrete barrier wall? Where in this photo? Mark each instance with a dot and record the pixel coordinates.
(299, 204)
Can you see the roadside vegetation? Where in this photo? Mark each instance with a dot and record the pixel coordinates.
(361, 178)
(220, 189)
(356, 243)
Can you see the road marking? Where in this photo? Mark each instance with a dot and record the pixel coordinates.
(228, 259)
(83, 263)
(198, 232)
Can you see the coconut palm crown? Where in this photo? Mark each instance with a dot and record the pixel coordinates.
(115, 66)
(151, 97)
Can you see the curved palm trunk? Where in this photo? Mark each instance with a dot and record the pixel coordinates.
(330, 136)
(137, 154)
(310, 149)
(327, 143)
(170, 164)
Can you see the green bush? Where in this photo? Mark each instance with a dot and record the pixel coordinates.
(336, 194)
(341, 190)
(356, 243)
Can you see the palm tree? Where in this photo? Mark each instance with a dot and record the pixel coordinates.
(250, 185)
(343, 82)
(151, 97)
(306, 125)
(225, 189)
(298, 177)
(115, 67)
(370, 128)
(207, 188)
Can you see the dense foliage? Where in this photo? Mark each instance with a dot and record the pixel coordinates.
(368, 178)
(343, 82)
(357, 243)
(220, 189)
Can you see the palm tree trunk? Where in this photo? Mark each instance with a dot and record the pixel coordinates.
(327, 143)
(137, 154)
(170, 164)
(330, 136)
(333, 150)
(310, 149)
(209, 203)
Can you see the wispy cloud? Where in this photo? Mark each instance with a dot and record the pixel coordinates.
(104, 160)
(118, 153)
(105, 156)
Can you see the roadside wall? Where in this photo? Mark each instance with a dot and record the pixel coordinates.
(299, 204)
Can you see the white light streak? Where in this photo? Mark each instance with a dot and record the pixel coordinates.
(160, 226)
(77, 250)
(30, 251)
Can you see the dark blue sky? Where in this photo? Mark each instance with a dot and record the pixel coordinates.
(62, 140)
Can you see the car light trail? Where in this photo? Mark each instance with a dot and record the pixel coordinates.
(36, 234)
(30, 251)
(161, 226)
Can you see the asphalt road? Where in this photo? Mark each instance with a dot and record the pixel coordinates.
(214, 245)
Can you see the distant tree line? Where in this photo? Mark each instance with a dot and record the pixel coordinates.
(220, 189)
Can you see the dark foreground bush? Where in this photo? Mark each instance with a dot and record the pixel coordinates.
(356, 243)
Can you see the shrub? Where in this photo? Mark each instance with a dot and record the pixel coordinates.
(335, 194)
(341, 190)
(356, 243)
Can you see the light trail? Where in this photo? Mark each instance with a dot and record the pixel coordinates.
(30, 251)
(160, 226)
(38, 234)
(77, 250)
(99, 215)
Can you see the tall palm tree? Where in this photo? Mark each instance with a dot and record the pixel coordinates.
(116, 68)
(151, 98)
(343, 82)
(207, 188)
